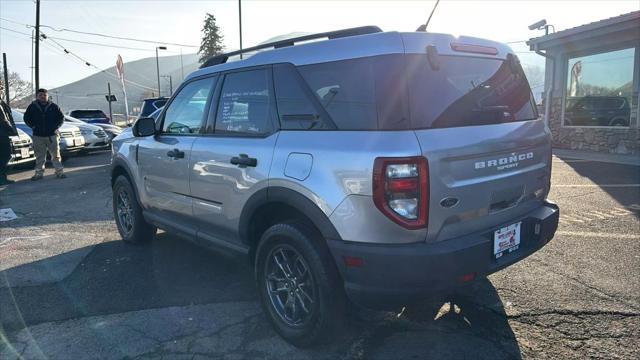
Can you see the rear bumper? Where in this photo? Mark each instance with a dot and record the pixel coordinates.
(393, 275)
(103, 144)
(16, 155)
(18, 161)
(71, 144)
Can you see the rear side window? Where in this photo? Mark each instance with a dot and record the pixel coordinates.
(467, 91)
(245, 104)
(295, 107)
(346, 90)
(88, 114)
(362, 94)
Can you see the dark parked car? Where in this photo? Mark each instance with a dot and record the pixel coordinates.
(597, 111)
(151, 105)
(91, 116)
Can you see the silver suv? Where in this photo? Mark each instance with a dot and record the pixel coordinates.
(378, 167)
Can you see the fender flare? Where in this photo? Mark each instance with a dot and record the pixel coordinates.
(291, 198)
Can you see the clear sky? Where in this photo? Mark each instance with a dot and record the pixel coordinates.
(180, 22)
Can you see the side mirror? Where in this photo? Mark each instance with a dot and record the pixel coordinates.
(144, 127)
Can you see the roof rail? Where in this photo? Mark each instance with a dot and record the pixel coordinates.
(363, 30)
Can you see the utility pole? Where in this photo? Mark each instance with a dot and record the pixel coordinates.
(170, 83)
(109, 100)
(240, 22)
(158, 66)
(32, 45)
(6, 78)
(37, 45)
(181, 66)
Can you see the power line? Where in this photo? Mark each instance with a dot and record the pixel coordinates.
(99, 44)
(17, 32)
(99, 34)
(82, 60)
(86, 62)
(13, 21)
(83, 42)
(117, 37)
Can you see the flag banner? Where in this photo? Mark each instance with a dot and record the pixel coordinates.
(120, 70)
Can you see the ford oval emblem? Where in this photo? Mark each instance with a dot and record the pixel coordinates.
(449, 202)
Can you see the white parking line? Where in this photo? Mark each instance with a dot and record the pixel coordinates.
(597, 185)
(599, 235)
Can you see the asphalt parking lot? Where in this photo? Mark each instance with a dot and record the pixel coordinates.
(70, 289)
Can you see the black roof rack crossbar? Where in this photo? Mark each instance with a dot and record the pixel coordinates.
(363, 30)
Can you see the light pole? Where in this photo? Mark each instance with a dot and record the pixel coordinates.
(240, 22)
(158, 65)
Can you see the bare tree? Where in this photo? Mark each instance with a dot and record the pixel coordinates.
(18, 88)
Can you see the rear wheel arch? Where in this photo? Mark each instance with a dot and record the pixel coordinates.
(273, 205)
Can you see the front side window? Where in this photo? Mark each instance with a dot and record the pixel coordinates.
(245, 104)
(599, 89)
(184, 114)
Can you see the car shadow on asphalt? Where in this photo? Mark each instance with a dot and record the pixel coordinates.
(602, 173)
(470, 323)
(114, 277)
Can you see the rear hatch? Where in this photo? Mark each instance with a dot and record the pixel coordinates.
(489, 154)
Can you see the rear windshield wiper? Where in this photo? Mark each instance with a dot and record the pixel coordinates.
(491, 108)
(433, 58)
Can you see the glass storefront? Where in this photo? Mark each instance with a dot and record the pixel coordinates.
(599, 89)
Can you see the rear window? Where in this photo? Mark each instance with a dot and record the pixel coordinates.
(399, 92)
(467, 91)
(151, 105)
(88, 114)
(159, 103)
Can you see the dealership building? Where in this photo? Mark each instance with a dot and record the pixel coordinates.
(592, 84)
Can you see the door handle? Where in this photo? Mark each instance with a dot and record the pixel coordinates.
(243, 160)
(176, 154)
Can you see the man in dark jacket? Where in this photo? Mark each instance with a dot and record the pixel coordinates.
(45, 118)
(7, 129)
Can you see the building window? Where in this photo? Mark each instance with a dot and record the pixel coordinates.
(600, 89)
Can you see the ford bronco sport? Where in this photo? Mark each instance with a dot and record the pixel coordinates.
(378, 167)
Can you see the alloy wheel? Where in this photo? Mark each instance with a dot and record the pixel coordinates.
(125, 212)
(290, 286)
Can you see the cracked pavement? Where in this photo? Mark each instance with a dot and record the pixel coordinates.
(70, 289)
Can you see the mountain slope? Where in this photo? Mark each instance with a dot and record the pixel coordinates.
(89, 92)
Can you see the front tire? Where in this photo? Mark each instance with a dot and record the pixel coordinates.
(128, 214)
(299, 285)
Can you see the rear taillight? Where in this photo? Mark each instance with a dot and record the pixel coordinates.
(401, 190)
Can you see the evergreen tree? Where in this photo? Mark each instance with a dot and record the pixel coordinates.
(211, 40)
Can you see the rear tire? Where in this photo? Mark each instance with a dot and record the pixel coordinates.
(128, 214)
(306, 302)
